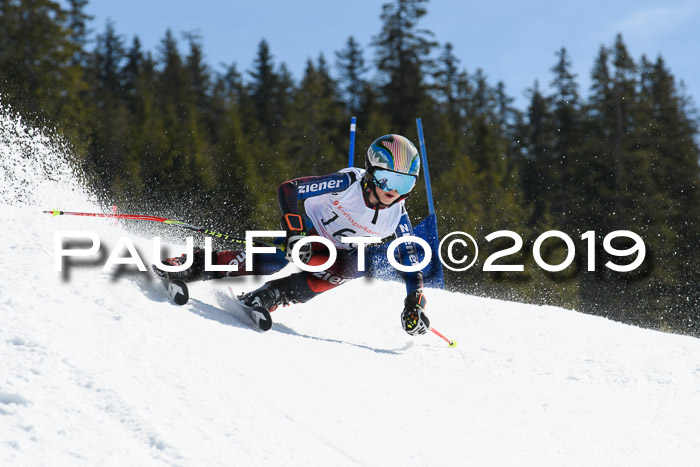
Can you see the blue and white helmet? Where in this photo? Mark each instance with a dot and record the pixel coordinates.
(393, 152)
(392, 163)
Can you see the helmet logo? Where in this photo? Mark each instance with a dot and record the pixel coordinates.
(399, 149)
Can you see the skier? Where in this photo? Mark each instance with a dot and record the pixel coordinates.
(350, 203)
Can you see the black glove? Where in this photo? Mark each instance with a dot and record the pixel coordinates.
(294, 225)
(413, 318)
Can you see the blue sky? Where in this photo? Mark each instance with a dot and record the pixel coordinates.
(512, 41)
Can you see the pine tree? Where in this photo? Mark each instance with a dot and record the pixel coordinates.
(283, 93)
(403, 53)
(148, 146)
(172, 101)
(598, 185)
(624, 98)
(566, 154)
(198, 86)
(187, 159)
(107, 108)
(227, 91)
(539, 150)
(316, 140)
(131, 74)
(449, 107)
(351, 67)
(38, 74)
(106, 64)
(145, 128)
(76, 22)
(263, 90)
(199, 76)
(446, 78)
(264, 110)
(236, 166)
(672, 198)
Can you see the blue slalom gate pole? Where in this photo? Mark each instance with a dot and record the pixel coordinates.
(424, 163)
(351, 156)
(434, 276)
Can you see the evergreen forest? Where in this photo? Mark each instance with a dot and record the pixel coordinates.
(162, 132)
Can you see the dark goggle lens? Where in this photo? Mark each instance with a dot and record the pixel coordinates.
(387, 180)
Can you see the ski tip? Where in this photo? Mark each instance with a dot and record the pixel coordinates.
(178, 291)
(181, 300)
(260, 316)
(264, 320)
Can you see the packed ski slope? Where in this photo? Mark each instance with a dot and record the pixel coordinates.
(98, 368)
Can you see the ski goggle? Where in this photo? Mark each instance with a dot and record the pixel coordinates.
(386, 180)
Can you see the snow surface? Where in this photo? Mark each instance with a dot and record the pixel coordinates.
(98, 368)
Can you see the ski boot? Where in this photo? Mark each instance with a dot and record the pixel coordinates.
(192, 273)
(273, 294)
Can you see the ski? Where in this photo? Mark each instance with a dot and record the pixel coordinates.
(176, 290)
(260, 316)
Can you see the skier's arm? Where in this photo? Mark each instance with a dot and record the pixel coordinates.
(292, 191)
(288, 195)
(413, 318)
(408, 255)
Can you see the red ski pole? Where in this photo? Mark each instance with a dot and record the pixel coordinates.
(138, 217)
(451, 343)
